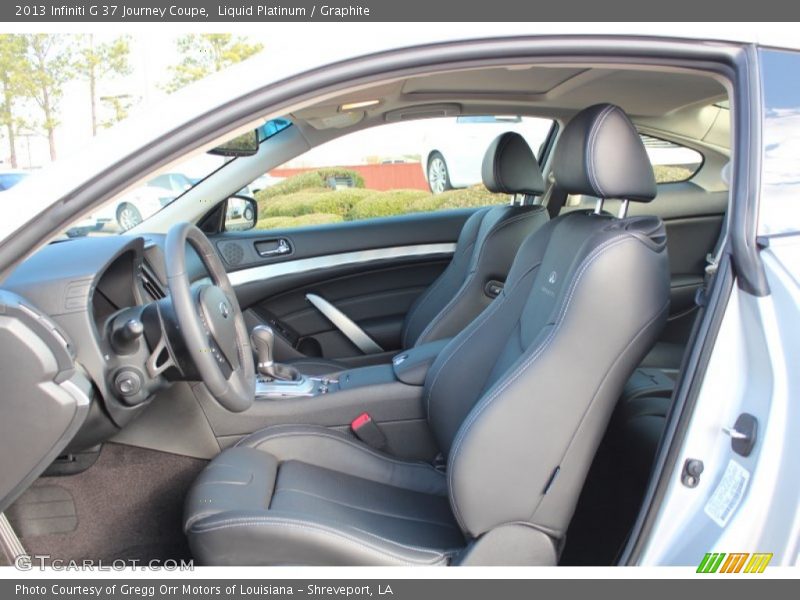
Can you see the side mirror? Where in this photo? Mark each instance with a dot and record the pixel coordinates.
(241, 213)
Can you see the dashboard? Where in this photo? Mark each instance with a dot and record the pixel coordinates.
(92, 288)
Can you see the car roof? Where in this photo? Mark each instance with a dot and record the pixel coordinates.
(287, 54)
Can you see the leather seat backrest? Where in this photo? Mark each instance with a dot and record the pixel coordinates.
(519, 400)
(485, 248)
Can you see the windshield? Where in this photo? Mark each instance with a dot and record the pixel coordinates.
(140, 203)
(9, 180)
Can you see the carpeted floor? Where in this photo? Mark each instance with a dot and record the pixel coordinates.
(128, 505)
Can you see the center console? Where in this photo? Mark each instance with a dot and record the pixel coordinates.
(392, 394)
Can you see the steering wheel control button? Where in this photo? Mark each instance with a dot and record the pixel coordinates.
(216, 313)
(128, 382)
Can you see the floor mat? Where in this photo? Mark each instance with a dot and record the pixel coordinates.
(44, 510)
(129, 505)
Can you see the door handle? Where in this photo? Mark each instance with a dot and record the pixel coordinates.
(277, 247)
(345, 325)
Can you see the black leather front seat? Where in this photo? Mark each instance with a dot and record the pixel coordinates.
(484, 252)
(517, 402)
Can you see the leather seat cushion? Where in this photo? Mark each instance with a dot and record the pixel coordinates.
(290, 495)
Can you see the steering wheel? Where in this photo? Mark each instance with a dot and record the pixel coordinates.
(210, 321)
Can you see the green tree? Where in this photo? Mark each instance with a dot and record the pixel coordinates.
(12, 67)
(95, 62)
(206, 53)
(48, 67)
(119, 105)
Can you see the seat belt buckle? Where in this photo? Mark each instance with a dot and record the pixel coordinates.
(367, 430)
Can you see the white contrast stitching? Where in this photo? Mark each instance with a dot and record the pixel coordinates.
(590, 146)
(307, 526)
(476, 325)
(472, 274)
(263, 438)
(483, 404)
(439, 279)
(390, 515)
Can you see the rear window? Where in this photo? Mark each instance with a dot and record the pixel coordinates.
(489, 119)
(671, 162)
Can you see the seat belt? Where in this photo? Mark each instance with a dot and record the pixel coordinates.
(554, 199)
(712, 263)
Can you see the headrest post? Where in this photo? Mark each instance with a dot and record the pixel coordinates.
(598, 208)
(623, 210)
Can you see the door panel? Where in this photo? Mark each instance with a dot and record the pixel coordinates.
(693, 219)
(689, 241)
(372, 271)
(239, 249)
(376, 299)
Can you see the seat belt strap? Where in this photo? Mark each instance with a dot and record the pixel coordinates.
(556, 199)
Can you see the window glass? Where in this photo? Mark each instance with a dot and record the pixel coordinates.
(671, 162)
(389, 170)
(140, 203)
(779, 210)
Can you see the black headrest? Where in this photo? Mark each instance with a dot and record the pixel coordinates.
(510, 167)
(601, 154)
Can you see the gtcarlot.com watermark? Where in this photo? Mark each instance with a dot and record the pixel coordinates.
(25, 562)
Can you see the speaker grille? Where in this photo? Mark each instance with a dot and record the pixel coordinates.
(232, 253)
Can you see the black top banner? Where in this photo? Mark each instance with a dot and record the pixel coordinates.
(49, 11)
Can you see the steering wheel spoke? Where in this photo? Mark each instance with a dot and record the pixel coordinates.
(155, 365)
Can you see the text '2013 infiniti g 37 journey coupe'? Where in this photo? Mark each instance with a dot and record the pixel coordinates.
(581, 356)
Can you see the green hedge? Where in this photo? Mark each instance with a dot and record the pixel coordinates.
(310, 201)
(308, 180)
(474, 196)
(387, 204)
(304, 200)
(301, 221)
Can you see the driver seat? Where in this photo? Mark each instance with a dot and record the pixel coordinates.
(517, 402)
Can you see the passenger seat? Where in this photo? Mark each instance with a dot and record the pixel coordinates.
(484, 252)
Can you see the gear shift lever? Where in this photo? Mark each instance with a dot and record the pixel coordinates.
(263, 340)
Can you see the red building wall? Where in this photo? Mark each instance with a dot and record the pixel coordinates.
(394, 176)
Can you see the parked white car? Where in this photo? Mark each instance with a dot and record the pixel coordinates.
(132, 208)
(454, 151)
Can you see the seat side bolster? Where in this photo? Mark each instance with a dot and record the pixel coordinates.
(337, 451)
(494, 255)
(548, 445)
(261, 538)
(429, 303)
(235, 479)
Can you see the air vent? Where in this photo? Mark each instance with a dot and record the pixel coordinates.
(151, 287)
